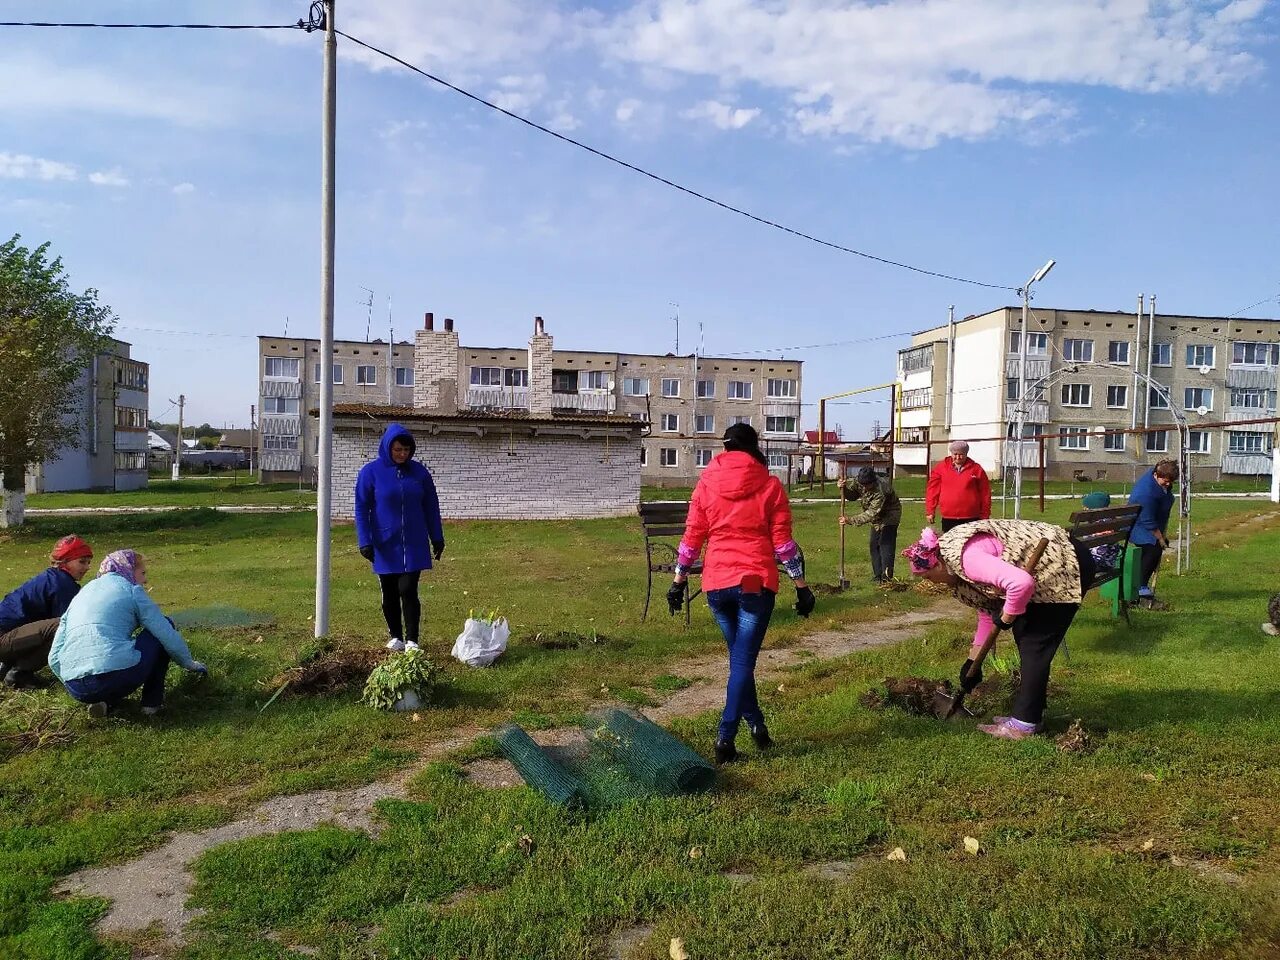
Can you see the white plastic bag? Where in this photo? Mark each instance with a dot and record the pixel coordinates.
(481, 641)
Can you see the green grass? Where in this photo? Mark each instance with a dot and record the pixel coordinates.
(1188, 700)
(211, 491)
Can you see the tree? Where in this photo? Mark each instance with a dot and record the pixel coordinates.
(49, 336)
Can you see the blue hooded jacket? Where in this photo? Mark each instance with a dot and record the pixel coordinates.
(397, 509)
(1156, 503)
(43, 597)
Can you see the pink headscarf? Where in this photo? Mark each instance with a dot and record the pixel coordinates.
(121, 562)
(924, 553)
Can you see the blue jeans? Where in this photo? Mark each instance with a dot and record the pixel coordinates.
(148, 673)
(743, 619)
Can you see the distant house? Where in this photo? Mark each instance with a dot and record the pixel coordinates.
(237, 439)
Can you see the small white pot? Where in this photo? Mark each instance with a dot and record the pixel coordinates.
(408, 701)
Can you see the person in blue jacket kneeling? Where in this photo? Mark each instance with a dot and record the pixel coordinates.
(398, 530)
(1154, 493)
(99, 653)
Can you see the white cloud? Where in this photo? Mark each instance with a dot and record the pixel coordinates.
(109, 178)
(182, 189)
(21, 166)
(722, 115)
(626, 110)
(915, 73)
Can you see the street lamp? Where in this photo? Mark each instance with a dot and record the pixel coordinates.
(1022, 383)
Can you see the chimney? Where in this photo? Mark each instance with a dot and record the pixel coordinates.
(540, 346)
(435, 368)
(429, 321)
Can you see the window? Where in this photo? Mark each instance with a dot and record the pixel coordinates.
(1162, 355)
(366, 374)
(563, 381)
(1117, 396)
(670, 387)
(1157, 398)
(746, 420)
(644, 457)
(739, 390)
(280, 405)
(1118, 351)
(779, 424)
(132, 417)
(515, 377)
(1198, 441)
(671, 423)
(1251, 354)
(1200, 355)
(486, 376)
(669, 457)
(1028, 430)
(705, 423)
(706, 389)
(273, 442)
(1013, 389)
(1037, 344)
(1113, 442)
(778, 461)
(703, 457)
(1193, 398)
(131, 460)
(916, 358)
(781, 388)
(131, 374)
(635, 387)
(595, 380)
(1158, 441)
(1073, 438)
(1240, 442)
(1254, 399)
(337, 373)
(918, 399)
(1077, 350)
(404, 376)
(282, 367)
(1077, 394)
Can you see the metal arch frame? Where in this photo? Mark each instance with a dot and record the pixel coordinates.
(1183, 540)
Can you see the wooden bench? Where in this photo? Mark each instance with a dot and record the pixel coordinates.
(662, 522)
(1105, 527)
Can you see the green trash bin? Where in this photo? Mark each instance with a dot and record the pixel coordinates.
(1130, 578)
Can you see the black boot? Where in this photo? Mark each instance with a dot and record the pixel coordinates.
(4, 669)
(22, 680)
(726, 752)
(761, 736)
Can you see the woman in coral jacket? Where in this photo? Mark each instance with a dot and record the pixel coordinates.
(740, 512)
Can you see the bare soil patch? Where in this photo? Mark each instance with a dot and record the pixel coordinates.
(1078, 739)
(566, 640)
(913, 695)
(331, 672)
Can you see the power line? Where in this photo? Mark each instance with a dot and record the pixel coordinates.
(300, 25)
(664, 180)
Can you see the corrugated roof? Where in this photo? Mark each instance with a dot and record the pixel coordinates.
(575, 417)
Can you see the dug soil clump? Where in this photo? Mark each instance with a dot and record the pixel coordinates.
(330, 672)
(1078, 740)
(565, 640)
(913, 695)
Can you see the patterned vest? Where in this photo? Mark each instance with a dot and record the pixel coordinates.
(1057, 574)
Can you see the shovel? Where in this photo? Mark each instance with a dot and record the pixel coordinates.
(947, 705)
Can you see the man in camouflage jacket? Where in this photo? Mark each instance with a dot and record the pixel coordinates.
(882, 509)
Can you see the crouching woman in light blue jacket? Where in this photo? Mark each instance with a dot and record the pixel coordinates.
(99, 653)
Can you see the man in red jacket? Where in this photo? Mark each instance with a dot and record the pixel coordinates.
(960, 487)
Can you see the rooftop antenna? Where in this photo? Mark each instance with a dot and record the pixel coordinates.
(677, 320)
(368, 323)
(286, 325)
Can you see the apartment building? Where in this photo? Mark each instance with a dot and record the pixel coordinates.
(688, 401)
(112, 449)
(1087, 371)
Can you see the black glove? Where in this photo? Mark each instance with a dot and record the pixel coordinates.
(367, 552)
(675, 597)
(437, 550)
(969, 681)
(1003, 624)
(805, 601)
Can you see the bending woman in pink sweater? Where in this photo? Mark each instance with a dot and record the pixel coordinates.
(981, 562)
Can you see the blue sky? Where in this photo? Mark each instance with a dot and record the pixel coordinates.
(178, 173)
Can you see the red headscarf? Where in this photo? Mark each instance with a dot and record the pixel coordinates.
(69, 548)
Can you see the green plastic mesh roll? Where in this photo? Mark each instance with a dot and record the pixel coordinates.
(538, 769)
(218, 615)
(649, 753)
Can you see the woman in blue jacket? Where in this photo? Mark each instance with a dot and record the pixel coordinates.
(99, 653)
(398, 530)
(1153, 492)
(29, 615)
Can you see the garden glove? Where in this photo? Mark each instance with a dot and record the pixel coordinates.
(805, 601)
(675, 597)
(437, 550)
(968, 682)
(367, 553)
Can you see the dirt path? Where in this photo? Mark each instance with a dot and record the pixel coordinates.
(153, 889)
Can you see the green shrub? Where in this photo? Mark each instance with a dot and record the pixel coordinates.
(400, 673)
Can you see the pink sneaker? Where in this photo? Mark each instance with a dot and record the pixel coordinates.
(1008, 728)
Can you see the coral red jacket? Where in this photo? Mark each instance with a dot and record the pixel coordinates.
(741, 513)
(963, 494)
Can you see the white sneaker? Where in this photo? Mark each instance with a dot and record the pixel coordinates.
(396, 644)
(410, 645)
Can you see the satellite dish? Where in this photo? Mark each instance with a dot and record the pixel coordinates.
(1205, 369)
(1202, 410)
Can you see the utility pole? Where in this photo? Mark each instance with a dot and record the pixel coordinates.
(177, 453)
(1023, 386)
(324, 504)
(367, 302)
(253, 434)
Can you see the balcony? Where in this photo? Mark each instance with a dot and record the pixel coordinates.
(1252, 378)
(283, 426)
(920, 398)
(1037, 411)
(778, 407)
(1036, 369)
(1252, 413)
(1250, 464)
(1028, 451)
(498, 398)
(598, 401)
(281, 388)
